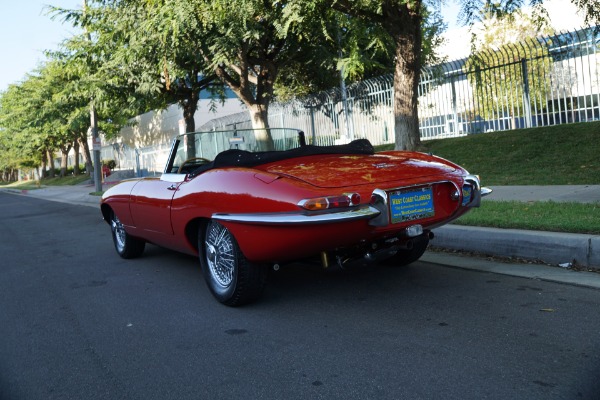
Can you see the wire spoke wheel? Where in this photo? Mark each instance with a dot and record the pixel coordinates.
(126, 245)
(119, 233)
(220, 255)
(231, 278)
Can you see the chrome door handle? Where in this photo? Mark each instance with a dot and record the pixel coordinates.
(172, 187)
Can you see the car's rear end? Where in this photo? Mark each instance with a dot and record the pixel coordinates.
(356, 205)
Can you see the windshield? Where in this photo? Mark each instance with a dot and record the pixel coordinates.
(197, 148)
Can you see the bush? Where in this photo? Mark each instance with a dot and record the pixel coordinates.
(110, 164)
(71, 170)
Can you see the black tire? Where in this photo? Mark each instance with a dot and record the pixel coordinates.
(230, 277)
(408, 256)
(126, 245)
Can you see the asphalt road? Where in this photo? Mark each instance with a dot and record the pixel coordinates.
(78, 322)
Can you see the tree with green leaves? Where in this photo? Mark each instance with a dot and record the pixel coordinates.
(402, 21)
(26, 131)
(49, 110)
(405, 22)
(15, 125)
(251, 42)
(509, 67)
(255, 47)
(150, 48)
(40, 119)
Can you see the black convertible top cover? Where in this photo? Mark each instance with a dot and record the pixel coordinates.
(243, 158)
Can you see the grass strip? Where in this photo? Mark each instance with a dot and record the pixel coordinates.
(541, 216)
(552, 155)
(57, 181)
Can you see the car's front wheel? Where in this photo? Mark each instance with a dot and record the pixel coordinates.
(126, 245)
(230, 277)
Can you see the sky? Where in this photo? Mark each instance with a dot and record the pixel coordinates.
(26, 32)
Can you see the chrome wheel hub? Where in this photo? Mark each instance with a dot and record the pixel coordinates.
(220, 255)
(118, 232)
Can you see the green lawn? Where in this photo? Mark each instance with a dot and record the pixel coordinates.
(57, 181)
(556, 155)
(542, 216)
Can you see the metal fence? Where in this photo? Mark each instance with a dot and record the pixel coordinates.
(538, 82)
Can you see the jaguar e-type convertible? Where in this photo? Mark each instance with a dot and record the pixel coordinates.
(242, 211)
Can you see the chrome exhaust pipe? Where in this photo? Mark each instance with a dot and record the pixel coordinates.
(324, 260)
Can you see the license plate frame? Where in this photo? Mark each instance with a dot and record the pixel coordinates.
(411, 204)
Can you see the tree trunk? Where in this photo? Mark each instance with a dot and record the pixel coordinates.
(38, 176)
(64, 150)
(256, 97)
(405, 28)
(190, 106)
(87, 157)
(259, 115)
(51, 173)
(76, 151)
(44, 163)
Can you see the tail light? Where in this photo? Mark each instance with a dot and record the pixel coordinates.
(329, 202)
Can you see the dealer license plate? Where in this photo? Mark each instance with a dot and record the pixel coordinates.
(411, 204)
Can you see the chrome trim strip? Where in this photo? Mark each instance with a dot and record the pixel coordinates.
(478, 191)
(476, 202)
(419, 185)
(175, 178)
(302, 202)
(381, 204)
(364, 212)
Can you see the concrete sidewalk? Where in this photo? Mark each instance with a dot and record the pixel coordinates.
(561, 193)
(77, 194)
(549, 247)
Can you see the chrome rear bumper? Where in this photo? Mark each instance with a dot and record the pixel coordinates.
(300, 218)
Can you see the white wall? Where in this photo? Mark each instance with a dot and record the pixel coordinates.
(157, 128)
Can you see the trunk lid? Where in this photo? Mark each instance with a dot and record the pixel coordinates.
(333, 171)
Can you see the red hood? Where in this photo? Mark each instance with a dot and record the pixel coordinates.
(330, 171)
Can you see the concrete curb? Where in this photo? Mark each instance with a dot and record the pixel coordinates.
(530, 271)
(549, 247)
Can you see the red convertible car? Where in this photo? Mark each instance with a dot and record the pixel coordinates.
(242, 211)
